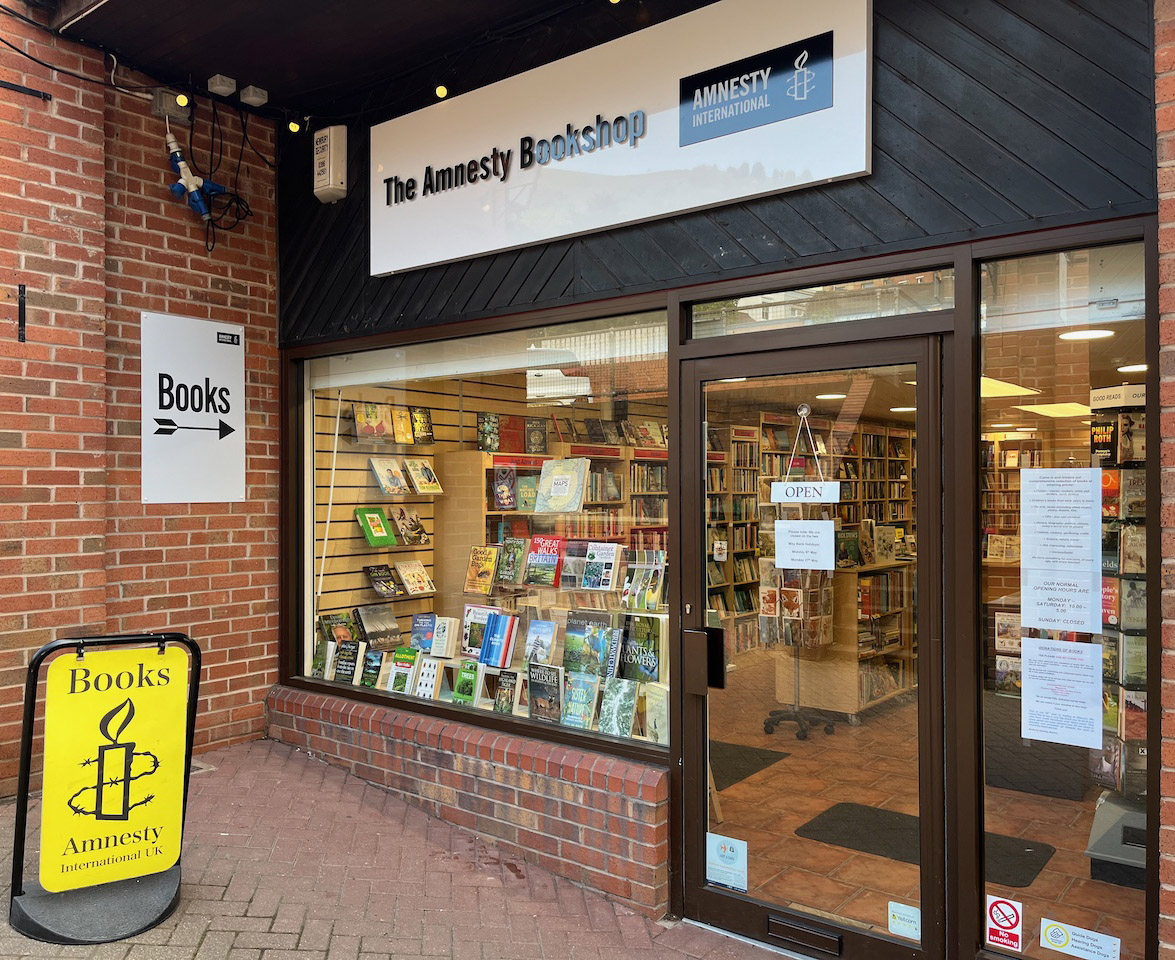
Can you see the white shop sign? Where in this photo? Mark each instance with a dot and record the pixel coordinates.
(193, 410)
(739, 99)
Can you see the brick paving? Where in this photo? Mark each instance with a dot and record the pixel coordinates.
(286, 858)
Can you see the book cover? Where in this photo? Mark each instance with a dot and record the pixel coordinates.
(656, 718)
(1131, 436)
(1110, 601)
(618, 707)
(403, 670)
(473, 627)
(423, 631)
(848, 548)
(1007, 675)
(600, 566)
(378, 625)
(374, 524)
(579, 700)
(446, 638)
(1111, 548)
(996, 547)
(1133, 494)
(536, 435)
(465, 686)
(512, 560)
(545, 691)
(1110, 707)
(512, 433)
(402, 425)
(321, 657)
(1103, 440)
(421, 424)
(1111, 654)
(595, 429)
(1132, 604)
(373, 422)
(1105, 765)
(505, 488)
(1132, 660)
(585, 643)
(497, 647)
(389, 475)
(527, 492)
(373, 661)
(409, 526)
(641, 648)
(629, 431)
(1134, 759)
(506, 693)
(428, 678)
(1007, 633)
(420, 472)
(415, 577)
(544, 562)
(612, 433)
(885, 543)
(1110, 492)
(479, 574)
(488, 439)
(384, 581)
(540, 641)
(574, 560)
(1132, 560)
(561, 486)
(349, 661)
(1132, 715)
(337, 628)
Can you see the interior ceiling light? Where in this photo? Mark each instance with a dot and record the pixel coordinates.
(902, 409)
(831, 396)
(990, 387)
(998, 426)
(442, 91)
(1085, 334)
(1057, 410)
(1129, 368)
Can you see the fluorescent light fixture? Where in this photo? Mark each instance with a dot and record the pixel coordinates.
(990, 387)
(733, 380)
(1133, 368)
(902, 409)
(997, 426)
(1057, 410)
(1085, 334)
(831, 396)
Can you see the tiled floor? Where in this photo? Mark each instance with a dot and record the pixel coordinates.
(875, 764)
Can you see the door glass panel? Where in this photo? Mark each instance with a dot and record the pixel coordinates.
(818, 602)
(1066, 646)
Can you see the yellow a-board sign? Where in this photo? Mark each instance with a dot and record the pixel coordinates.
(112, 803)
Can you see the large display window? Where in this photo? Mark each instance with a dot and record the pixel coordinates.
(490, 521)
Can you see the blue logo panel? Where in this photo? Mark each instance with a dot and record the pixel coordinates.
(786, 82)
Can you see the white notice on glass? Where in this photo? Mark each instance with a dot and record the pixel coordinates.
(1060, 543)
(1061, 692)
(805, 544)
(726, 862)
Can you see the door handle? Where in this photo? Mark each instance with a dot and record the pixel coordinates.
(704, 661)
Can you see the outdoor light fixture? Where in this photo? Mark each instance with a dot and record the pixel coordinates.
(442, 91)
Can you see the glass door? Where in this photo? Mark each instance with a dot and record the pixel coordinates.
(812, 756)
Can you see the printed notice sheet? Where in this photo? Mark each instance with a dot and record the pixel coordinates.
(805, 544)
(1060, 543)
(1061, 692)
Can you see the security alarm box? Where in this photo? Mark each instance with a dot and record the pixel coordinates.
(330, 163)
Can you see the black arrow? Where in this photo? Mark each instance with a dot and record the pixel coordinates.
(168, 427)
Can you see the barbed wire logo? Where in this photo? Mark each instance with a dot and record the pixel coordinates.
(119, 765)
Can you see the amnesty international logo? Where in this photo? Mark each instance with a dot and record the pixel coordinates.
(115, 755)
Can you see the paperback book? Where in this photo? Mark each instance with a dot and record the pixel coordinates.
(536, 435)
(656, 715)
(641, 650)
(465, 686)
(512, 560)
(423, 631)
(428, 678)
(385, 581)
(409, 526)
(389, 474)
(349, 661)
(540, 641)
(600, 566)
(403, 670)
(528, 492)
(561, 486)
(585, 643)
(420, 473)
(415, 578)
(473, 627)
(579, 700)
(488, 439)
(421, 424)
(544, 562)
(373, 422)
(402, 425)
(373, 661)
(618, 707)
(479, 575)
(545, 691)
(378, 625)
(497, 649)
(505, 488)
(506, 693)
(374, 524)
(446, 638)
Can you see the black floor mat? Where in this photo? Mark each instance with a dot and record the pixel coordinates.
(1011, 862)
(732, 762)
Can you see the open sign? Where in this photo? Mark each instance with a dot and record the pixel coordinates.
(805, 491)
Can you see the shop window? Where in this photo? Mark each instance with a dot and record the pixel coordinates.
(919, 292)
(1064, 598)
(489, 521)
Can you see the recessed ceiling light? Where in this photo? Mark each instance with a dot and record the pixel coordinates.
(1057, 410)
(990, 387)
(1085, 334)
(997, 426)
(902, 409)
(830, 396)
(1133, 368)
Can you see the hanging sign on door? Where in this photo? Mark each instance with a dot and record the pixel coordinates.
(805, 544)
(805, 491)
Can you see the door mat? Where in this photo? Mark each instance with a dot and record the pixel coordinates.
(731, 763)
(1011, 861)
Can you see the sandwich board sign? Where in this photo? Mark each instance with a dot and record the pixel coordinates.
(119, 713)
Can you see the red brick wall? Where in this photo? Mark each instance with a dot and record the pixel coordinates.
(87, 224)
(597, 820)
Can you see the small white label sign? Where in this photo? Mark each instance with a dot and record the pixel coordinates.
(905, 921)
(805, 544)
(1078, 942)
(193, 410)
(726, 862)
(805, 491)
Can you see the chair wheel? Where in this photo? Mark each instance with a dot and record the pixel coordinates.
(768, 727)
(801, 734)
(830, 728)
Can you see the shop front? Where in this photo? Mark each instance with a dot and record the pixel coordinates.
(810, 601)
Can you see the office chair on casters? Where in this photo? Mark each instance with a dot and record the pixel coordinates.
(795, 713)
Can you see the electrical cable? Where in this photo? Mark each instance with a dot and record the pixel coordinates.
(77, 76)
(244, 117)
(20, 16)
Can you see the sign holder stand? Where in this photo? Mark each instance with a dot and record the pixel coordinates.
(109, 911)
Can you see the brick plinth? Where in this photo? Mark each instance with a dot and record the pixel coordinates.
(597, 820)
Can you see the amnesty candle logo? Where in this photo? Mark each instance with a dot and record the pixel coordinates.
(780, 84)
(115, 756)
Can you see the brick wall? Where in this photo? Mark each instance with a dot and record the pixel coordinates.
(598, 820)
(87, 224)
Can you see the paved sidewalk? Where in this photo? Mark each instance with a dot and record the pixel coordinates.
(286, 858)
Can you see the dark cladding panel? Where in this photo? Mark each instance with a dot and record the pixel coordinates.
(990, 117)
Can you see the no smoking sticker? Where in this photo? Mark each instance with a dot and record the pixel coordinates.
(1004, 923)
